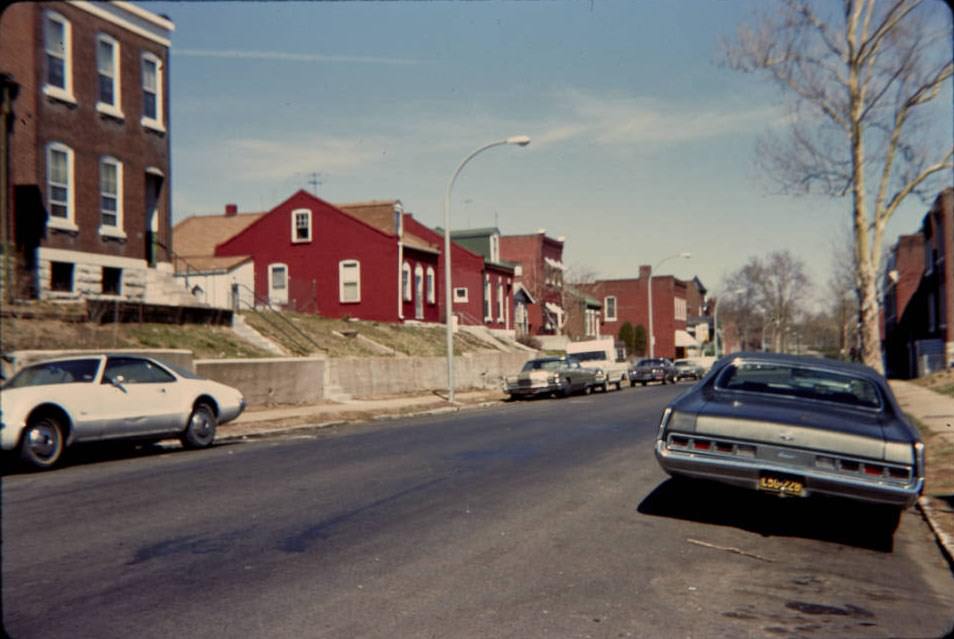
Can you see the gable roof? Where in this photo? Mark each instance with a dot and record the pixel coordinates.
(198, 235)
(380, 215)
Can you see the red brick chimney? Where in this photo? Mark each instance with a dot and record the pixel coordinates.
(231, 209)
(644, 271)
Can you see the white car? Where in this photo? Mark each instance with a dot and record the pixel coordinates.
(54, 404)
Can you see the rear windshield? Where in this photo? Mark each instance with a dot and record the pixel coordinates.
(590, 356)
(650, 362)
(542, 365)
(800, 382)
(74, 371)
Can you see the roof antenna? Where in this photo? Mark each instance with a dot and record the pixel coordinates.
(314, 180)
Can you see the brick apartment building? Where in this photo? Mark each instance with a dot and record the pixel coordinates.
(539, 294)
(627, 300)
(918, 299)
(89, 176)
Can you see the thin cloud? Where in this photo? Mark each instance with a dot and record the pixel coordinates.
(286, 56)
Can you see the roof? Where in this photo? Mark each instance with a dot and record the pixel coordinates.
(487, 231)
(199, 235)
(380, 215)
(206, 263)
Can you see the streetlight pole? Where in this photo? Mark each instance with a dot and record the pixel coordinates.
(519, 140)
(652, 339)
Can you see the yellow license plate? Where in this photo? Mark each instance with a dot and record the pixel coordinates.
(781, 485)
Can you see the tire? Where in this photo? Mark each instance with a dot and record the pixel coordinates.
(605, 387)
(41, 444)
(200, 429)
(643, 383)
(632, 384)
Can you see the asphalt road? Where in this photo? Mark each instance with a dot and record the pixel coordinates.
(534, 519)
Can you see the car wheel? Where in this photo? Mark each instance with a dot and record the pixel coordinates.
(643, 383)
(41, 444)
(200, 431)
(619, 385)
(605, 387)
(632, 384)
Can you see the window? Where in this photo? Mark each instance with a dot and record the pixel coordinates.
(61, 277)
(132, 370)
(349, 281)
(152, 92)
(460, 295)
(487, 294)
(112, 280)
(406, 282)
(500, 301)
(59, 180)
(680, 309)
(110, 195)
(494, 248)
(59, 57)
(278, 283)
(418, 292)
(301, 225)
(431, 291)
(609, 308)
(107, 70)
(76, 371)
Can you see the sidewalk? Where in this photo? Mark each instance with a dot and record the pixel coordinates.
(263, 422)
(934, 413)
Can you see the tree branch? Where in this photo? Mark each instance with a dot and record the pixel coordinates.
(898, 197)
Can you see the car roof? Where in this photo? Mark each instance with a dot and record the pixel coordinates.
(803, 360)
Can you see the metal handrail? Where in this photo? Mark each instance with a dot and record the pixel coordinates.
(265, 303)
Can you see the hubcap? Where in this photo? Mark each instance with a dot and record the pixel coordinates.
(42, 441)
(201, 425)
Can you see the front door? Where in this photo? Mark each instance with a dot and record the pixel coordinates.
(419, 293)
(151, 236)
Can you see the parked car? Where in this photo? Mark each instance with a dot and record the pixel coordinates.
(688, 369)
(57, 403)
(600, 354)
(657, 369)
(559, 376)
(795, 426)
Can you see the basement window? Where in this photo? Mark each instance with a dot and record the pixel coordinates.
(61, 277)
(112, 280)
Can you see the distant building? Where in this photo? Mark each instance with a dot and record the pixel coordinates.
(90, 150)
(918, 298)
(497, 275)
(539, 300)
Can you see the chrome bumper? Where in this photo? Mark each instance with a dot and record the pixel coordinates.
(745, 474)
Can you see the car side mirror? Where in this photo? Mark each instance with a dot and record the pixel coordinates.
(118, 382)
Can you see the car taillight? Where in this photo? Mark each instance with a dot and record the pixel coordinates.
(874, 469)
(701, 444)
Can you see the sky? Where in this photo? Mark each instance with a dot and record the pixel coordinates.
(643, 145)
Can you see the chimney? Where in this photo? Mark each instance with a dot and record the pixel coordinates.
(231, 209)
(644, 271)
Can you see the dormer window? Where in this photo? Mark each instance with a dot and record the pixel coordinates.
(301, 225)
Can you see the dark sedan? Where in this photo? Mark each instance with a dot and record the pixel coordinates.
(795, 426)
(654, 369)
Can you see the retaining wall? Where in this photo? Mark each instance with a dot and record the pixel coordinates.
(270, 381)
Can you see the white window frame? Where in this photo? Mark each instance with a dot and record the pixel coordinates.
(419, 291)
(112, 230)
(64, 93)
(680, 310)
(606, 305)
(488, 300)
(431, 282)
(294, 226)
(115, 109)
(157, 123)
(406, 294)
(283, 299)
(500, 301)
(494, 248)
(461, 299)
(69, 222)
(343, 267)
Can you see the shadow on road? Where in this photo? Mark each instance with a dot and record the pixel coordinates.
(83, 454)
(833, 520)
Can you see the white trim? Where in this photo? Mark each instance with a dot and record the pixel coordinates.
(68, 222)
(61, 224)
(116, 108)
(431, 285)
(294, 226)
(406, 282)
(93, 259)
(419, 289)
(157, 123)
(114, 230)
(64, 93)
(154, 170)
(554, 264)
(488, 300)
(151, 29)
(500, 299)
(341, 281)
(606, 315)
(461, 299)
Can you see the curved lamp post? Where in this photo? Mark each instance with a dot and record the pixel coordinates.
(652, 340)
(519, 140)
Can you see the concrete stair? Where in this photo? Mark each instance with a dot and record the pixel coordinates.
(483, 334)
(250, 335)
(162, 287)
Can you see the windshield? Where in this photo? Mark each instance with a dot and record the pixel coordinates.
(801, 382)
(542, 365)
(74, 371)
(650, 362)
(590, 356)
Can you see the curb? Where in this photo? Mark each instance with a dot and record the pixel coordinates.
(288, 430)
(943, 539)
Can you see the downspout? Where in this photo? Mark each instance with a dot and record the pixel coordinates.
(399, 231)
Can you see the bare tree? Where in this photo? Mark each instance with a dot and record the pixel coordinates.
(742, 303)
(861, 77)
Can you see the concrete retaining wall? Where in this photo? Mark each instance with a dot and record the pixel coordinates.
(281, 380)
(370, 376)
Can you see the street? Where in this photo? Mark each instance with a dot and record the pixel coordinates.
(530, 519)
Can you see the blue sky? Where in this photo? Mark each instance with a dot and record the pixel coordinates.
(643, 146)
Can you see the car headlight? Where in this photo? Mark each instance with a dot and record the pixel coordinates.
(553, 379)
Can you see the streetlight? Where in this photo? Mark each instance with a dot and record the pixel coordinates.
(519, 140)
(715, 317)
(652, 340)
